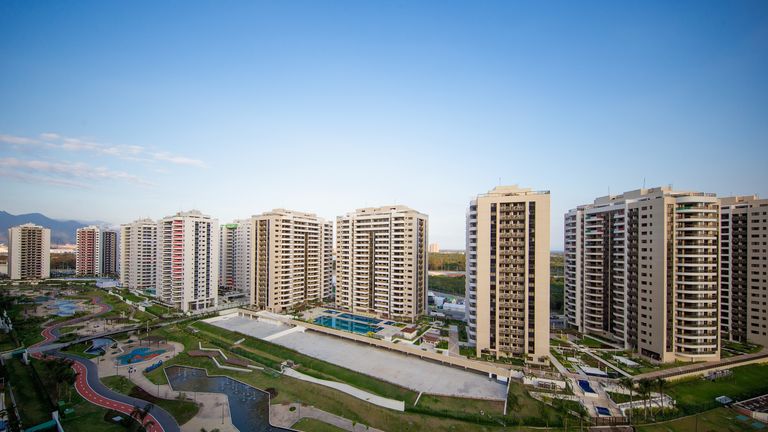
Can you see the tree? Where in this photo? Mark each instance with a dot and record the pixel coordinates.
(140, 414)
(660, 383)
(644, 386)
(629, 384)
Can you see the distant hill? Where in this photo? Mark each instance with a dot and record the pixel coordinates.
(62, 232)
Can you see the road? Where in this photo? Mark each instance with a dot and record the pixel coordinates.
(89, 386)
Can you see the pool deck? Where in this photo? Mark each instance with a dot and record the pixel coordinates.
(391, 366)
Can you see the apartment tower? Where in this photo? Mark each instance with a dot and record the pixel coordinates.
(641, 270)
(29, 252)
(744, 269)
(138, 255)
(108, 265)
(88, 256)
(381, 262)
(507, 285)
(235, 259)
(188, 261)
(291, 259)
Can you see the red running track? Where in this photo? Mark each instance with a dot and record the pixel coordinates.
(81, 380)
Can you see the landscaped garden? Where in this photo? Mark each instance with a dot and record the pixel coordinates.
(181, 410)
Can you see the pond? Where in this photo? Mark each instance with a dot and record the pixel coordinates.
(248, 406)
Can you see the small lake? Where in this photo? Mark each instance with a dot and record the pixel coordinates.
(248, 406)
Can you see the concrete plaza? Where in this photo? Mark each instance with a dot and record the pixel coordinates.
(406, 371)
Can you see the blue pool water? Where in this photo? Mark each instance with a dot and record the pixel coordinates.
(138, 354)
(603, 411)
(584, 384)
(346, 325)
(359, 318)
(66, 307)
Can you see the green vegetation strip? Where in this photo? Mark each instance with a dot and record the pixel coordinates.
(181, 410)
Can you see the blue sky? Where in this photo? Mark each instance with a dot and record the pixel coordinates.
(118, 110)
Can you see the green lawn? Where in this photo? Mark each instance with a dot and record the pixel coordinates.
(182, 411)
(292, 390)
(312, 425)
(696, 394)
(716, 420)
(447, 284)
(34, 407)
(590, 342)
(130, 296)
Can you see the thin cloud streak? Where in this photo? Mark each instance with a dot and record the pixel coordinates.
(18, 168)
(136, 153)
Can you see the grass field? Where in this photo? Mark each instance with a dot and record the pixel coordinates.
(447, 284)
(182, 411)
(312, 425)
(696, 394)
(292, 390)
(34, 408)
(717, 420)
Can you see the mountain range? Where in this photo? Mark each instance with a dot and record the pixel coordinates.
(62, 232)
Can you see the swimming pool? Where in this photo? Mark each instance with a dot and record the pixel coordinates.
(138, 354)
(99, 345)
(346, 325)
(359, 318)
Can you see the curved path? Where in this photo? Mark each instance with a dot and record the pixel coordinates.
(89, 386)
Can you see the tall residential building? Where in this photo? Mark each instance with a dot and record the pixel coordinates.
(188, 261)
(744, 269)
(88, 256)
(434, 248)
(29, 252)
(641, 270)
(108, 264)
(381, 262)
(291, 259)
(507, 285)
(235, 259)
(138, 255)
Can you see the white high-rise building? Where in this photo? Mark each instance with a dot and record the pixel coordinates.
(188, 260)
(507, 284)
(138, 255)
(381, 262)
(29, 252)
(235, 245)
(744, 269)
(641, 270)
(291, 259)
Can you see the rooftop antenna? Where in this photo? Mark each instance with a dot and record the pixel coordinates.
(499, 181)
(643, 182)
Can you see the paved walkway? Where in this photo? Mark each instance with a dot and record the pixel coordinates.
(281, 415)
(453, 341)
(701, 367)
(348, 389)
(89, 386)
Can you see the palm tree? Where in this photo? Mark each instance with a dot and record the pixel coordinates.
(629, 384)
(644, 387)
(660, 383)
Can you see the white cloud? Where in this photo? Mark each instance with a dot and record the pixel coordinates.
(63, 172)
(126, 152)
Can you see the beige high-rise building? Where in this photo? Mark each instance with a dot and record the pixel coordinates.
(381, 262)
(138, 255)
(188, 261)
(88, 256)
(641, 270)
(744, 269)
(29, 252)
(291, 259)
(507, 286)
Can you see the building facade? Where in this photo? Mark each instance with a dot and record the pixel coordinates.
(507, 285)
(641, 270)
(108, 264)
(88, 255)
(744, 269)
(381, 262)
(188, 261)
(29, 252)
(235, 260)
(291, 259)
(138, 255)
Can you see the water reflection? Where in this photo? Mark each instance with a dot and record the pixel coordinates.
(248, 406)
